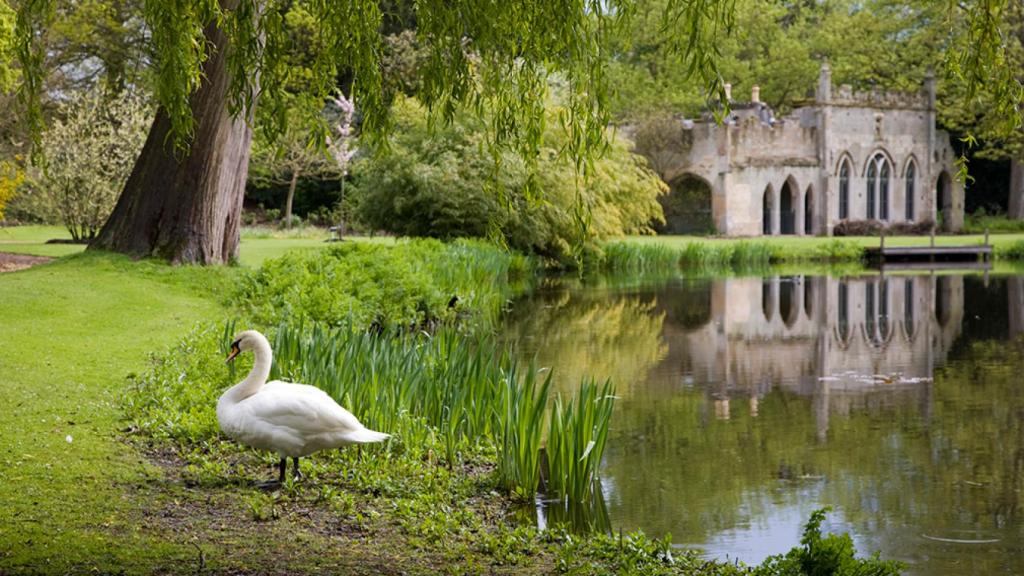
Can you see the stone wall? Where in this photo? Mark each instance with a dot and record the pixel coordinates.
(782, 176)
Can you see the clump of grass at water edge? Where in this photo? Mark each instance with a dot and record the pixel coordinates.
(722, 255)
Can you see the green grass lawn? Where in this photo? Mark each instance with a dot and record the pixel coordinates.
(70, 332)
(74, 495)
(257, 244)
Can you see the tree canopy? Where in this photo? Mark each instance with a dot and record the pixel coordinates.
(6, 46)
(208, 63)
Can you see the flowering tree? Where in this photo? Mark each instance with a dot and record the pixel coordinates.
(10, 178)
(340, 148)
(293, 155)
(89, 154)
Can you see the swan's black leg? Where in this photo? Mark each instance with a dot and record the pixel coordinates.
(295, 472)
(282, 466)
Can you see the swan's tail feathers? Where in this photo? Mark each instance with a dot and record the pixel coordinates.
(367, 436)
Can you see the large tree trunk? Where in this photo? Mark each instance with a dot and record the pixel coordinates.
(1016, 188)
(185, 207)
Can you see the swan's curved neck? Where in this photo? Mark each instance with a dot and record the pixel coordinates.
(260, 370)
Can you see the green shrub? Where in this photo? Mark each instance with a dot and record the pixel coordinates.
(409, 284)
(1014, 251)
(444, 183)
(832, 555)
(981, 221)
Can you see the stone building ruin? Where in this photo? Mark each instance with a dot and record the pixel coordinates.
(846, 156)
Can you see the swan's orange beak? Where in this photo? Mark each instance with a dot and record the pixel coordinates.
(235, 351)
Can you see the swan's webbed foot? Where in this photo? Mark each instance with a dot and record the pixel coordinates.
(274, 484)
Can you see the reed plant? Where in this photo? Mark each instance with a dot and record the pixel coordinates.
(576, 440)
(720, 255)
(630, 257)
(522, 419)
(465, 390)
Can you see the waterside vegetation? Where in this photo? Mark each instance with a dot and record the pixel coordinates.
(468, 424)
(665, 253)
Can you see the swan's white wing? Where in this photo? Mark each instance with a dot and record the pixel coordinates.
(295, 420)
(306, 409)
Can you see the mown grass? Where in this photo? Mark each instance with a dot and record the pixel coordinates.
(256, 246)
(70, 332)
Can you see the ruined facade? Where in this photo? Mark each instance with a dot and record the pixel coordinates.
(846, 156)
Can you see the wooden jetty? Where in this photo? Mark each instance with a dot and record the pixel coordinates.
(928, 256)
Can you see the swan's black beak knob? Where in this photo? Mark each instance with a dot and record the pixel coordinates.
(235, 351)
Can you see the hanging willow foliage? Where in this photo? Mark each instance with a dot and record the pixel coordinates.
(491, 56)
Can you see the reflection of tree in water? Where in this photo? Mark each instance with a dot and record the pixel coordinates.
(687, 305)
(588, 333)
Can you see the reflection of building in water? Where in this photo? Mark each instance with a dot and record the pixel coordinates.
(849, 343)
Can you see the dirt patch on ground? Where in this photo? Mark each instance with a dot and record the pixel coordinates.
(13, 262)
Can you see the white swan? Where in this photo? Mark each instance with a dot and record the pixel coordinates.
(293, 420)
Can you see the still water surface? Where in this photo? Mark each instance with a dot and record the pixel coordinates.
(747, 403)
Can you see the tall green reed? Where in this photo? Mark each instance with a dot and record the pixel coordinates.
(522, 419)
(464, 390)
(739, 256)
(576, 440)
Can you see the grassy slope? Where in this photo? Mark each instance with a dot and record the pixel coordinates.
(70, 332)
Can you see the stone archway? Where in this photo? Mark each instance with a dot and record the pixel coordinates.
(944, 202)
(788, 206)
(766, 211)
(687, 207)
(809, 211)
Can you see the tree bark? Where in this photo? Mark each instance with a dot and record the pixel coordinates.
(185, 207)
(1016, 210)
(291, 197)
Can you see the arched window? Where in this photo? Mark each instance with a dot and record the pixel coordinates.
(870, 314)
(809, 211)
(844, 190)
(767, 300)
(872, 185)
(909, 179)
(884, 326)
(878, 187)
(766, 212)
(883, 192)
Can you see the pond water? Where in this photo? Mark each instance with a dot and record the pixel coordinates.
(748, 402)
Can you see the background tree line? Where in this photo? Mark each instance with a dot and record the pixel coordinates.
(637, 66)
